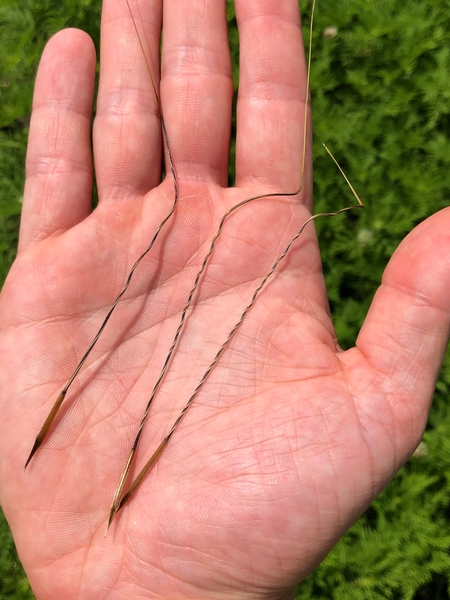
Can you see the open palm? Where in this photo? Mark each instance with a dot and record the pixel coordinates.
(290, 438)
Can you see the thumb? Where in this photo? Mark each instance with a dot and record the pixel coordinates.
(406, 332)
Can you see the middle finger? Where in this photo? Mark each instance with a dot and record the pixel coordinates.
(197, 88)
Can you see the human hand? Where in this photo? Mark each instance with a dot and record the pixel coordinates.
(291, 438)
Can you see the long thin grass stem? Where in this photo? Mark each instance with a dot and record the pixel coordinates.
(128, 465)
(57, 405)
(140, 477)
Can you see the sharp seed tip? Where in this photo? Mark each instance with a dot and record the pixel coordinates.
(112, 514)
(108, 525)
(32, 453)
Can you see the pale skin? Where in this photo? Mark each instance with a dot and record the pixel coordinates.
(291, 438)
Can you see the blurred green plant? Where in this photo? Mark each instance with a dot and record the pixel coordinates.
(381, 102)
(13, 581)
(24, 29)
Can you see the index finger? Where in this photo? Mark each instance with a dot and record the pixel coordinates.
(272, 94)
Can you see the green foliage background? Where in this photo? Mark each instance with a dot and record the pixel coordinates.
(381, 101)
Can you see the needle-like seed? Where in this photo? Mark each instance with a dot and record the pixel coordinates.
(118, 493)
(54, 411)
(117, 505)
(121, 499)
